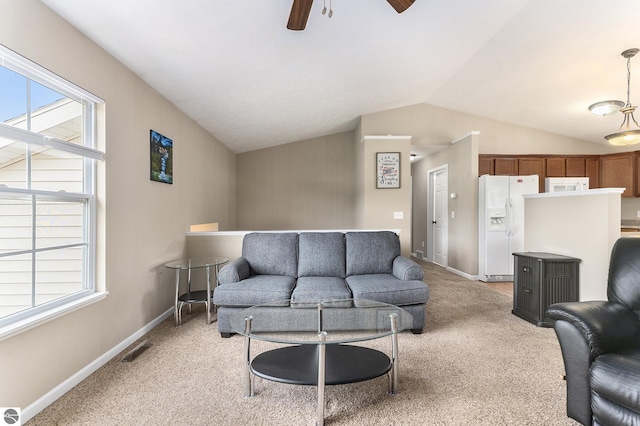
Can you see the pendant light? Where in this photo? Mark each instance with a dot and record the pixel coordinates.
(626, 135)
(606, 107)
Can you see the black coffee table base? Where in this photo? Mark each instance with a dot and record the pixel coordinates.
(298, 365)
(322, 363)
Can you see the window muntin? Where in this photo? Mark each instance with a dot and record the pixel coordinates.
(47, 179)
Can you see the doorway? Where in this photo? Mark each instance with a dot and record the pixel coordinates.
(439, 185)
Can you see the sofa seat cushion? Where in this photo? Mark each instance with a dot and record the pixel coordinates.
(271, 253)
(255, 290)
(615, 387)
(387, 289)
(321, 254)
(371, 252)
(310, 290)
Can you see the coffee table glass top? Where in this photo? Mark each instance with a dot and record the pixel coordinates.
(202, 262)
(280, 323)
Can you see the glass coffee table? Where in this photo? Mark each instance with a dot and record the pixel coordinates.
(320, 343)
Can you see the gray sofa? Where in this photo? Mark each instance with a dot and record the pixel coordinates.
(299, 268)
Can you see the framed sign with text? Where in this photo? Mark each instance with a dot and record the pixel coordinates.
(387, 170)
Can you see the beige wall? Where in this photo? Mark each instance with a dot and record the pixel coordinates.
(461, 159)
(303, 185)
(317, 183)
(323, 183)
(630, 208)
(431, 125)
(434, 128)
(290, 197)
(142, 224)
(584, 225)
(379, 205)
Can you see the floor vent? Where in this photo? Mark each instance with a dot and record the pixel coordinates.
(136, 352)
(419, 254)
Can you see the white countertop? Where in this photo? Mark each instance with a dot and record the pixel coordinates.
(599, 191)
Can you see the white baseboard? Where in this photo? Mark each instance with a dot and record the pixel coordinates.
(462, 274)
(64, 387)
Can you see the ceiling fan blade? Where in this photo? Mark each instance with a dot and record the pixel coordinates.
(299, 14)
(400, 5)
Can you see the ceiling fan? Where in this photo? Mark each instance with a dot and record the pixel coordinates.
(301, 8)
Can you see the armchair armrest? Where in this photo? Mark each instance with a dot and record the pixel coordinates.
(605, 326)
(406, 269)
(234, 271)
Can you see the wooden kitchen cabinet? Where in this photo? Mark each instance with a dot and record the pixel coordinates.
(592, 171)
(556, 167)
(575, 167)
(623, 170)
(533, 166)
(505, 166)
(618, 171)
(485, 165)
(637, 175)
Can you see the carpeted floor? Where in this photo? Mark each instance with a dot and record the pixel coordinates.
(475, 364)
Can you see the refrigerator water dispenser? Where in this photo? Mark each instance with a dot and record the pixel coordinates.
(497, 220)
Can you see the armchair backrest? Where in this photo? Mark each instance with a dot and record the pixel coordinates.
(623, 285)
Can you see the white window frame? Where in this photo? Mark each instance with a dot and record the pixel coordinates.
(35, 315)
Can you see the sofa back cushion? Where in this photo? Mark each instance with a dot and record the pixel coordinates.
(271, 253)
(371, 252)
(321, 254)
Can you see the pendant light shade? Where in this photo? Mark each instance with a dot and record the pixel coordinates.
(626, 134)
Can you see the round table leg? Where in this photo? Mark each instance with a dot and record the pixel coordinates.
(176, 315)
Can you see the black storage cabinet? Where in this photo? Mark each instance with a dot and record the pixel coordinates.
(541, 279)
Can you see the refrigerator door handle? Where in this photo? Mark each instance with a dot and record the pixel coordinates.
(510, 218)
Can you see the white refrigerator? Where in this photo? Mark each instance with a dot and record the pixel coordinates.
(501, 223)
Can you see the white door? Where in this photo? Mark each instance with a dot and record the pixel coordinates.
(440, 216)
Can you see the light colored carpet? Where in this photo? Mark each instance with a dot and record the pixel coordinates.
(475, 364)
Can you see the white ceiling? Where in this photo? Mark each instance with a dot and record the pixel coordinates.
(233, 66)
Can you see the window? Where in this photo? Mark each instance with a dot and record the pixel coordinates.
(47, 190)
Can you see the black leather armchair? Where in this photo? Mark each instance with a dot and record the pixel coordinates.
(600, 343)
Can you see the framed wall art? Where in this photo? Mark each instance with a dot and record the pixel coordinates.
(387, 170)
(161, 158)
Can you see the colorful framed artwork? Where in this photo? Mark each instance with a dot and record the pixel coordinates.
(161, 158)
(387, 170)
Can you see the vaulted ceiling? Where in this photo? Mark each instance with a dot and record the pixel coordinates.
(233, 66)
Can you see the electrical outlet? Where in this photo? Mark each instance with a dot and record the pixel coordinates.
(638, 214)
(398, 215)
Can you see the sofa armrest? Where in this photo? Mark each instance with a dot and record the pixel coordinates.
(406, 269)
(605, 326)
(234, 271)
